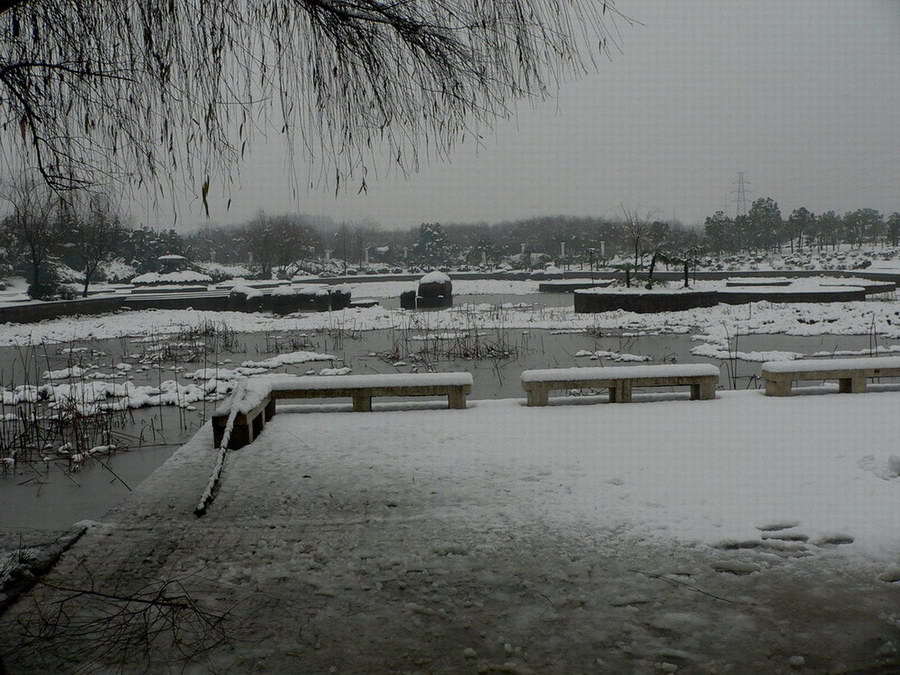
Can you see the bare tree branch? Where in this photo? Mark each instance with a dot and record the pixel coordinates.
(155, 92)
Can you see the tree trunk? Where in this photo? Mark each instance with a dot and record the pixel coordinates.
(650, 274)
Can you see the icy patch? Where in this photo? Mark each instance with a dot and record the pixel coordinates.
(64, 374)
(224, 373)
(722, 352)
(446, 548)
(785, 536)
(891, 575)
(780, 525)
(289, 359)
(857, 352)
(335, 371)
(835, 539)
(448, 335)
(736, 567)
(613, 356)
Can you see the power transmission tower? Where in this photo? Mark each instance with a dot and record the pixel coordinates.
(740, 202)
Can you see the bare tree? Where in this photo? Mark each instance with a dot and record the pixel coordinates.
(92, 90)
(33, 224)
(636, 229)
(95, 231)
(279, 241)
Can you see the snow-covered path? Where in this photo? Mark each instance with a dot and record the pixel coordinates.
(745, 533)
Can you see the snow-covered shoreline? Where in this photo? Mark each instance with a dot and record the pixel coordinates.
(881, 317)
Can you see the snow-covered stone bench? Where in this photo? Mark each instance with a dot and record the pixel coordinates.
(257, 403)
(702, 379)
(851, 374)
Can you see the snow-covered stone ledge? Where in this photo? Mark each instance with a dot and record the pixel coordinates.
(642, 300)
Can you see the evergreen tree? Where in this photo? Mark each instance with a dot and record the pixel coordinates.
(830, 228)
(432, 246)
(893, 228)
(765, 223)
(800, 222)
(719, 232)
(862, 225)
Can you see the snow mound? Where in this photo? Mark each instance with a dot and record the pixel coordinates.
(246, 291)
(434, 277)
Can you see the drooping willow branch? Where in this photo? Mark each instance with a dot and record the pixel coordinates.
(152, 92)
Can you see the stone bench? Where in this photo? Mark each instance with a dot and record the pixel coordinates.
(851, 374)
(620, 380)
(257, 405)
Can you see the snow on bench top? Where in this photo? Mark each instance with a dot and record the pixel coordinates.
(621, 372)
(831, 364)
(390, 380)
(260, 386)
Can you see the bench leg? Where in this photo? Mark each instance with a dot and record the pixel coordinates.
(456, 400)
(258, 423)
(852, 385)
(218, 432)
(241, 435)
(621, 393)
(538, 397)
(270, 409)
(778, 387)
(706, 391)
(362, 404)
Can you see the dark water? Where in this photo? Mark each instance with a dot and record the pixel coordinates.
(40, 497)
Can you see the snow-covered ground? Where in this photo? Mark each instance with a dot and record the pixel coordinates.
(745, 534)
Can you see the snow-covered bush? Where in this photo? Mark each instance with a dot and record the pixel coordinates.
(219, 272)
(50, 285)
(116, 271)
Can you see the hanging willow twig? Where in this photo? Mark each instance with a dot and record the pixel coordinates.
(156, 91)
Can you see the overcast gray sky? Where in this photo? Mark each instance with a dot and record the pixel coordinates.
(802, 96)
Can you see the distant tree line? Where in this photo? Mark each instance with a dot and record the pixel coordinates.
(41, 230)
(765, 229)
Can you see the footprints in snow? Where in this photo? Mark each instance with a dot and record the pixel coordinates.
(778, 540)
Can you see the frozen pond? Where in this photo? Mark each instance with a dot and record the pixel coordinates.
(50, 496)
